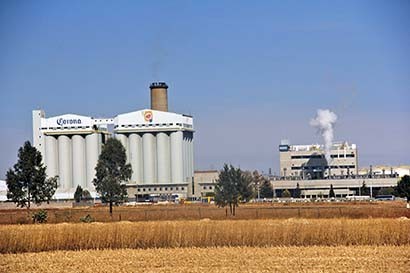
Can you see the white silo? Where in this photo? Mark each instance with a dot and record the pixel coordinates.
(148, 144)
(92, 153)
(163, 158)
(176, 157)
(51, 158)
(124, 141)
(79, 165)
(65, 162)
(135, 152)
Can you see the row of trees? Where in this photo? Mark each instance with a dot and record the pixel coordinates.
(27, 182)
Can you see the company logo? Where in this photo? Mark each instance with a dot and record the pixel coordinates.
(148, 116)
(62, 121)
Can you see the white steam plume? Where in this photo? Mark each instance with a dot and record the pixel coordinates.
(324, 121)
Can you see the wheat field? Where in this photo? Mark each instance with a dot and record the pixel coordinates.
(205, 233)
(224, 259)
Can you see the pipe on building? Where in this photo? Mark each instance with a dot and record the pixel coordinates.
(79, 166)
(148, 146)
(176, 157)
(51, 156)
(163, 158)
(92, 151)
(135, 152)
(65, 161)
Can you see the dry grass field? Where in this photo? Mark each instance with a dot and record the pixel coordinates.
(196, 212)
(225, 259)
(206, 233)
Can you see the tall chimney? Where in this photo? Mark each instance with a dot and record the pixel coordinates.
(159, 96)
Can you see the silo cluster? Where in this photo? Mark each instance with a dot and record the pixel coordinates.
(159, 157)
(158, 144)
(72, 158)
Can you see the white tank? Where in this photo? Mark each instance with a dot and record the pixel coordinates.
(65, 162)
(163, 158)
(79, 166)
(148, 146)
(135, 152)
(124, 141)
(92, 151)
(176, 157)
(51, 158)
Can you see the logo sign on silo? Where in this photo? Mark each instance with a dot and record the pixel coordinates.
(148, 116)
(63, 121)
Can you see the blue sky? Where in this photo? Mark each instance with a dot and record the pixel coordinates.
(250, 73)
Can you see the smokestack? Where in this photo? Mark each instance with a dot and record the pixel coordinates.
(159, 96)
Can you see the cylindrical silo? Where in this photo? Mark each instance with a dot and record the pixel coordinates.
(51, 158)
(159, 96)
(163, 158)
(65, 162)
(124, 141)
(92, 151)
(135, 152)
(176, 157)
(148, 146)
(79, 166)
(189, 158)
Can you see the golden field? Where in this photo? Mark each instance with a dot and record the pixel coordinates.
(197, 212)
(205, 233)
(224, 259)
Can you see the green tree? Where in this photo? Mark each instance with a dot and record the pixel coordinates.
(331, 191)
(296, 191)
(232, 187)
(386, 191)
(111, 173)
(78, 194)
(27, 182)
(403, 187)
(266, 190)
(286, 193)
(364, 190)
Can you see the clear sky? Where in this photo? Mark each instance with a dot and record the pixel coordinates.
(250, 72)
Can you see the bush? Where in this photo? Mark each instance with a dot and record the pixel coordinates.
(40, 216)
(87, 219)
(286, 193)
(86, 195)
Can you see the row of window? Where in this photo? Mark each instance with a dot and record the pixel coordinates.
(318, 156)
(148, 125)
(207, 188)
(65, 127)
(160, 189)
(321, 167)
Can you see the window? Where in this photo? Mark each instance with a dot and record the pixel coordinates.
(210, 187)
(166, 188)
(138, 189)
(143, 189)
(204, 187)
(176, 188)
(182, 188)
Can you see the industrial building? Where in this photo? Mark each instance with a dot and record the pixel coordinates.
(306, 167)
(158, 144)
(309, 161)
